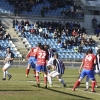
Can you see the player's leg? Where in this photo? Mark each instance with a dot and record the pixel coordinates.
(52, 74)
(44, 70)
(59, 77)
(48, 69)
(5, 72)
(38, 69)
(96, 72)
(91, 75)
(34, 69)
(83, 74)
(87, 83)
(28, 67)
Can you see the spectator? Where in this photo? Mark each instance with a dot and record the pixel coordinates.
(1, 48)
(40, 31)
(80, 49)
(15, 22)
(76, 49)
(26, 22)
(74, 33)
(7, 36)
(94, 22)
(26, 28)
(32, 31)
(1, 36)
(22, 22)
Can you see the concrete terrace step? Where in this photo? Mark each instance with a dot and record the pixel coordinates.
(15, 38)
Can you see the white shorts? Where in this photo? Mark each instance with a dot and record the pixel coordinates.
(54, 73)
(97, 72)
(50, 62)
(7, 65)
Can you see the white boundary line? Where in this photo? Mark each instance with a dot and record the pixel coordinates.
(71, 89)
(43, 83)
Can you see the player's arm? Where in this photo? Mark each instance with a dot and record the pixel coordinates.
(95, 61)
(12, 57)
(54, 64)
(81, 66)
(28, 54)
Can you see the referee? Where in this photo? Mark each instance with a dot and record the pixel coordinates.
(7, 63)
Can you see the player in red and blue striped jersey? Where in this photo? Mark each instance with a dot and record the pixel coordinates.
(88, 69)
(42, 57)
(31, 59)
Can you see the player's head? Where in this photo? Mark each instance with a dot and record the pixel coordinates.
(8, 49)
(39, 44)
(86, 53)
(90, 51)
(56, 55)
(42, 47)
(98, 52)
(45, 47)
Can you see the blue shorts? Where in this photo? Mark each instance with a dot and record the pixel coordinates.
(40, 68)
(33, 65)
(89, 73)
(32, 60)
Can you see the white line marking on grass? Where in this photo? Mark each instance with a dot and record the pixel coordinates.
(43, 83)
(71, 89)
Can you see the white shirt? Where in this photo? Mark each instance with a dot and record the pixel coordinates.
(50, 62)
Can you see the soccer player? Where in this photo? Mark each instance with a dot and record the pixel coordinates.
(42, 58)
(58, 70)
(96, 71)
(88, 69)
(31, 59)
(8, 62)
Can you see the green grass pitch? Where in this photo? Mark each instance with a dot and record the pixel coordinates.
(22, 88)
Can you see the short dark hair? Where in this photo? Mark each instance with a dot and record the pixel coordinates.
(98, 51)
(42, 47)
(90, 50)
(39, 44)
(8, 47)
(56, 54)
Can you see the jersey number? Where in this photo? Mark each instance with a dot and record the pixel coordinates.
(42, 55)
(89, 58)
(35, 50)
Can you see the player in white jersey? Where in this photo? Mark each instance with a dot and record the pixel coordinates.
(96, 71)
(8, 62)
(58, 70)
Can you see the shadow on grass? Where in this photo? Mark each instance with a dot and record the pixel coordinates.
(17, 90)
(73, 95)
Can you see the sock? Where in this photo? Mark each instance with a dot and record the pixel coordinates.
(37, 78)
(7, 73)
(49, 71)
(76, 84)
(62, 81)
(93, 85)
(49, 80)
(4, 74)
(96, 83)
(34, 72)
(87, 82)
(45, 80)
(27, 71)
(87, 85)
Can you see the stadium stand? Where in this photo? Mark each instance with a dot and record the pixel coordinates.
(74, 49)
(43, 8)
(5, 42)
